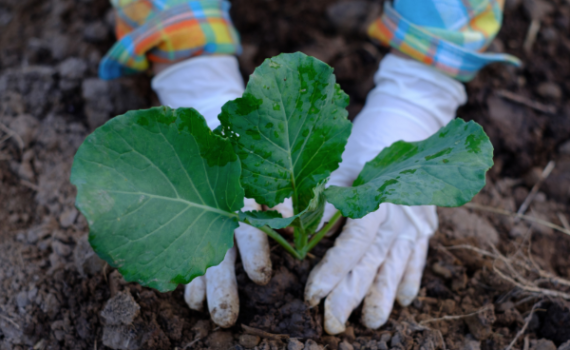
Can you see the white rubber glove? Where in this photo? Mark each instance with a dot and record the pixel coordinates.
(381, 257)
(206, 83)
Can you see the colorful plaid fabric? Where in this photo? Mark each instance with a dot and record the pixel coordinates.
(449, 35)
(167, 31)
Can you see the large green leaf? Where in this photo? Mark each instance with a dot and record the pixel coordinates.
(289, 129)
(447, 169)
(159, 191)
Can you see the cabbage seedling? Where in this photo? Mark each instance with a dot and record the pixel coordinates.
(162, 192)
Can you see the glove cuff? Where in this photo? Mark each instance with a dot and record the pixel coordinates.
(185, 30)
(453, 52)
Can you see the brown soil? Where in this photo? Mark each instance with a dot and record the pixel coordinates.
(55, 294)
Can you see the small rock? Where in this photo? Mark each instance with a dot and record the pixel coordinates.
(25, 169)
(382, 345)
(39, 232)
(549, 90)
(310, 344)
(22, 299)
(86, 261)
(471, 344)
(564, 346)
(396, 340)
(96, 32)
(249, 341)
(93, 88)
(25, 126)
(371, 345)
(72, 68)
(544, 344)
(294, 344)
(61, 249)
(220, 340)
(121, 337)
(385, 337)
(120, 309)
(98, 105)
(67, 218)
(466, 224)
(344, 345)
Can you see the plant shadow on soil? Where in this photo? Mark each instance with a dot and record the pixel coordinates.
(55, 294)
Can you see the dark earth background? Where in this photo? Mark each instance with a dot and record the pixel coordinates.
(55, 294)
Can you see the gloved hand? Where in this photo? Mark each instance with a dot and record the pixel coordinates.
(381, 256)
(206, 83)
(167, 31)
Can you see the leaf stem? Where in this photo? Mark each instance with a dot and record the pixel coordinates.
(279, 239)
(319, 235)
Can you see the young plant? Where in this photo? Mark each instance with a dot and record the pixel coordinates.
(162, 193)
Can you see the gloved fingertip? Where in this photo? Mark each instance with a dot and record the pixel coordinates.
(311, 298)
(195, 294)
(332, 324)
(225, 315)
(261, 275)
(407, 293)
(374, 319)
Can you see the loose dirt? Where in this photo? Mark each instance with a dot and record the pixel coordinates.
(488, 275)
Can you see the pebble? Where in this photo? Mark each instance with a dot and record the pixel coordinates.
(471, 344)
(544, 344)
(86, 261)
(26, 127)
(120, 309)
(220, 340)
(382, 345)
(344, 345)
(249, 341)
(72, 68)
(61, 249)
(294, 344)
(549, 90)
(310, 344)
(22, 299)
(67, 218)
(396, 340)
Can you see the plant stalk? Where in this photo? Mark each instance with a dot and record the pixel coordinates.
(282, 241)
(319, 235)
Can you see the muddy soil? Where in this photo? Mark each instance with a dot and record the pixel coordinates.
(488, 275)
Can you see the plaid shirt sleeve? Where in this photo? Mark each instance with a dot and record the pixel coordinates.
(449, 35)
(167, 31)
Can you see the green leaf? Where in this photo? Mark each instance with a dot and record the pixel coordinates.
(159, 191)
(270, 218)
(447, 170)
(289, 129)
(310, 218)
